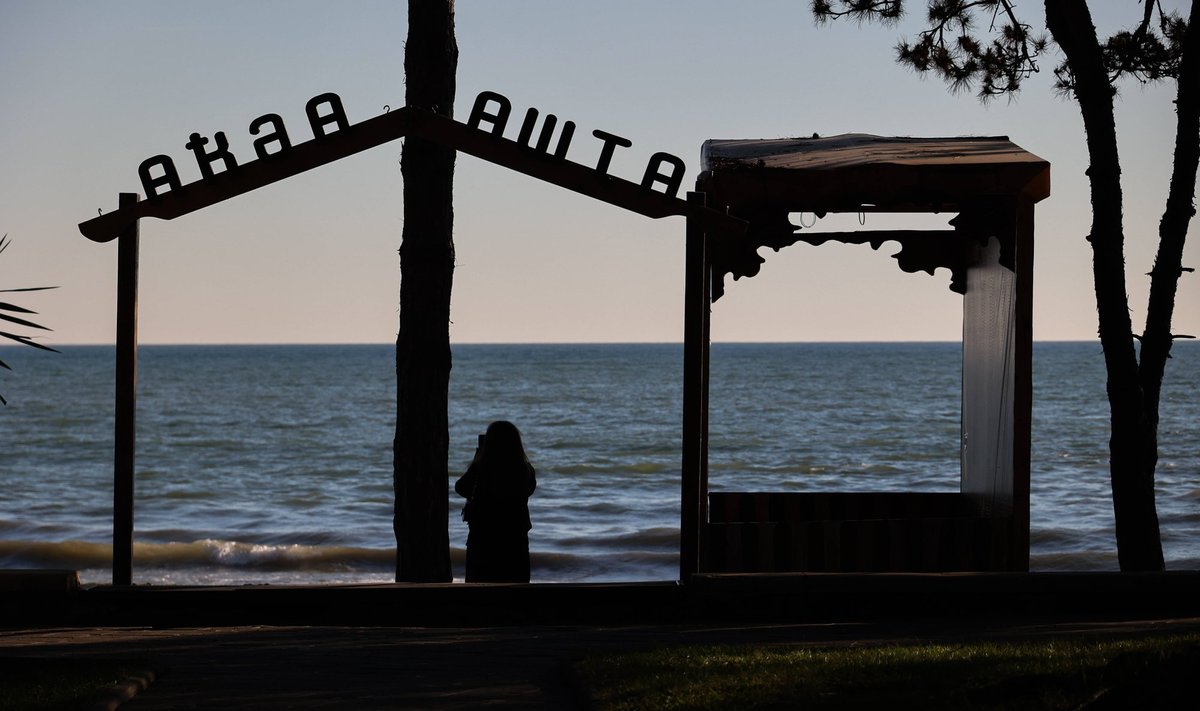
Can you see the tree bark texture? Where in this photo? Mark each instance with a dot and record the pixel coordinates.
(1138, 543)
(1172, 232)
(421, 447)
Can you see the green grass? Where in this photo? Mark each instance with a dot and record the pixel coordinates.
(59, 683)
(1045, 674)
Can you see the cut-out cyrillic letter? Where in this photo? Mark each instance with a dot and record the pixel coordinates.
(611, 142)
(479, 112)
(277, 135)
(671, 180)
(547, 132)
(205, 159)
(336, 114)
(170, 176)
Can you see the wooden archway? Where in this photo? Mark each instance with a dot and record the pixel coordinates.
(334, 138)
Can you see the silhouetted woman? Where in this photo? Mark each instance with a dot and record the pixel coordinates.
(497, 487)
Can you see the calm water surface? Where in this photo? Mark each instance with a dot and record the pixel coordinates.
(273, 463)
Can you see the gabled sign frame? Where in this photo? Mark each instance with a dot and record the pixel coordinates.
(345, 139)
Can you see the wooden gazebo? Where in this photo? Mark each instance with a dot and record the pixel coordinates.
(991, 185)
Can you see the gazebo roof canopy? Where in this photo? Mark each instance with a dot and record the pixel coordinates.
(855, 171)
(761, 181)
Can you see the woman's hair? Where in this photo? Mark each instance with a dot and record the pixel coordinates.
(502, 445)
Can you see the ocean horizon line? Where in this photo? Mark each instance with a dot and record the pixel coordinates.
(261, 344)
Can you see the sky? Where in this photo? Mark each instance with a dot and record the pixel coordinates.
(92, 89)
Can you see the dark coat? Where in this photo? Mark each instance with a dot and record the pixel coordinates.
(497, 514)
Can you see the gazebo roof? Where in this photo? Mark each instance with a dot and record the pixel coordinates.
(855, 170)
(761, 181)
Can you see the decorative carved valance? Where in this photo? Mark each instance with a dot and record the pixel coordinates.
(763, 181)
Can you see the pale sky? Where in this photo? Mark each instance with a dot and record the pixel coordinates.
(92, 89)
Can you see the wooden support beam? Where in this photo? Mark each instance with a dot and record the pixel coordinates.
(1023, 383)
(125, 430)
(697, 302)
(705, 309)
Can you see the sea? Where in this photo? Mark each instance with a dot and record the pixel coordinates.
(273, 464)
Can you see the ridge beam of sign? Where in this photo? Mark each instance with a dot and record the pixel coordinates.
(288, 161)
(330, 145)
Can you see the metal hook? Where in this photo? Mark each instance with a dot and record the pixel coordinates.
(386, 108)
(99, 211)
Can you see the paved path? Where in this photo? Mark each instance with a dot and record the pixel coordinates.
(502, 667)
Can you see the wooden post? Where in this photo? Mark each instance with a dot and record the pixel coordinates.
(125, 432)
(704, 306)
(1023, 384)
(695, 395)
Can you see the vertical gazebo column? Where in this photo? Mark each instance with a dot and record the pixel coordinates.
(1023, 389)
(997, 377)
(696, 319)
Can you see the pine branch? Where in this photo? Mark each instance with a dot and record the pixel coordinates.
(996, 60)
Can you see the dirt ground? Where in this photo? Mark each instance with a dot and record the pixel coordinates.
(263, 667)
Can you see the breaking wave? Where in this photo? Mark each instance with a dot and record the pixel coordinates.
(202, 553)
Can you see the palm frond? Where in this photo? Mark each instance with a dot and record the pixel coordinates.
(13, 308)
(22, 322)
(26, 341)
(29, 288)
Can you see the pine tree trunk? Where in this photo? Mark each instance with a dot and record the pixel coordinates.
(1138, 544)
(1172, 233)
(420, 450)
